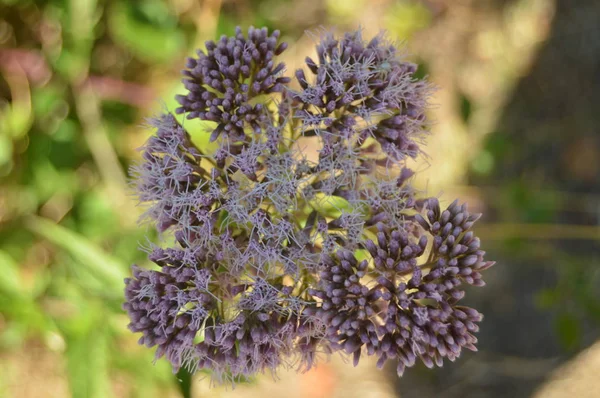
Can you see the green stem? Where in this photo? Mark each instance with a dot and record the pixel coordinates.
(184, 381)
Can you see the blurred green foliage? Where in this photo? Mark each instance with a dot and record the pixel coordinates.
(67, 222)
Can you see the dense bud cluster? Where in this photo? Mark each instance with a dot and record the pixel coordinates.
(363, 89)
(223, 81)
(276, 259)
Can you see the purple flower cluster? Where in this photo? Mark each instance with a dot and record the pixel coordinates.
(404, 307)
(223, 81)
(275, 259)
(170, 307)
(363, 90)
(171, 177)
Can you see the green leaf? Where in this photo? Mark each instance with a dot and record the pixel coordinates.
(15, 120)
(547, 298)
(422, 70)
(10, 281)
(569, 330)
(87, 358)
(199, 130)
(150, 42)
(592, 307)
(184, 381)
(6, 153)
(18, 303)
(329, 206)
(465, 108)
(483, 163)
(97, 262)
(403, 19)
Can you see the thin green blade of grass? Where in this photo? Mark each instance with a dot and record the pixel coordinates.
(88, 360)
(10, 281)
(100, 264)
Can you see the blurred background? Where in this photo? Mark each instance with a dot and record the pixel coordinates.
(517, 135)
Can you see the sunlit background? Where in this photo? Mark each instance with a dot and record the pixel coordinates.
(516, 134)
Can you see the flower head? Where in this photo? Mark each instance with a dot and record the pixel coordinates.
(364, 89)
(276, 259)
(223, 81)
